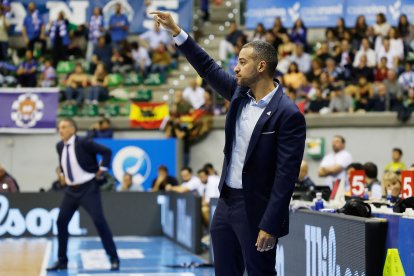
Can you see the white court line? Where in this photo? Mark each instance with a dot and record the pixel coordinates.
(46, 258)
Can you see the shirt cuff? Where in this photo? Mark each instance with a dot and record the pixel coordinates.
(180, 38)
(104, 169)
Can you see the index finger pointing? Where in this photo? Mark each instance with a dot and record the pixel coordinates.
(158, 13)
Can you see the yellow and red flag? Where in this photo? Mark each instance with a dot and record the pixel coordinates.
(147, 115)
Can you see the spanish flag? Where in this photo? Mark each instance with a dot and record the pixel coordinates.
(147, 115)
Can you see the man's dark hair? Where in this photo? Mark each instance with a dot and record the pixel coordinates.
(104, 120)
(340, 138)
(190, 170)
(203, 170)
(264, 51)
(208, 166)
(371, 170)
(398, 150)
(163, 168)
(71, 122)
(356, 166)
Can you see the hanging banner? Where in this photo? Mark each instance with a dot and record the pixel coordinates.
(79, 12)
(28, 110)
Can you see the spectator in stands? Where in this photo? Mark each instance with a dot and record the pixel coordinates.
(118, 26)
(128, 185)
(331, 39)
(287, 47)
(396, 165)
(278, 26)
(26, 72)
(141, 58)
(210, 169)
(390, 55)
(59, 37)
(161, 60)
(379, 101)
(233, 59)
(259, 33)
(409, 101)
(102, 129)
(99, 85)
(335, 72)
(326, 85)
(96, 30)
(75, 85)
(121, 59)
(299, 32)
(304, 181)
(316, 70)
(226, 45)
(34, 29)
(48, 74)
(102, 53)
(156, 36)
(340, 28)
(340, 101)
(190, 183)
(381, 26)
(334, 164)
(363, 70)
(211, 190)
(4, 36)
(360, 30)
(59, 184)
(347, 56)
(180, 105)
(208, 106)
(391, 184)
(294, 78)
(371, 180)
(323, 52)
(381, 72)
(396, 43)
(163, 179)
(7, 183)
(406, 31)
(362, 93)
(194, 94)
(394, 90)
(317, 102)
(365, 50)
(271, 39)
(406, 79)
(302, 59)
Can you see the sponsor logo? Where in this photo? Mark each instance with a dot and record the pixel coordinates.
(395, 10)
(132, 160)
(38, 221)
(321, 253)
(294, 11)
(27, 110)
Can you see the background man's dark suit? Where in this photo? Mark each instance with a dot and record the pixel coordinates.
(86, 195)
(270, 170)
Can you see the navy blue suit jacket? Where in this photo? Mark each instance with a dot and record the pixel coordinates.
(275, 151)
(86, 151)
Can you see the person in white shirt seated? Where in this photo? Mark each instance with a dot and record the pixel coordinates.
(211, 190)
(367, 51)
(141, 58)
(302, 59)
(386, 51)
(156, 36)
(128, 185)
(194, 94)
(334, 164)
(406, 79)
(190, 183)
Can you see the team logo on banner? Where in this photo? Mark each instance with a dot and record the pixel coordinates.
(132, 160)
(27, 110)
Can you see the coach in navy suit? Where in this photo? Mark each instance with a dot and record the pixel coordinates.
(265, 138)
(78, 162)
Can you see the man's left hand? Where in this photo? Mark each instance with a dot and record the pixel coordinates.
(265, 241)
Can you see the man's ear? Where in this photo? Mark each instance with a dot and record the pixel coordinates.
(261, 66)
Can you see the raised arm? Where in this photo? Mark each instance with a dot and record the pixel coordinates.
(206, 67)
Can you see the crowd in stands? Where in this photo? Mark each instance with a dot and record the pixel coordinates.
(359, 69)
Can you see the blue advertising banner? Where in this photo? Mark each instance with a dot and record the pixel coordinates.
(314, 13)
(321, 13)
(79, 11)
(141, 158)
(391, 8)
(28, 110)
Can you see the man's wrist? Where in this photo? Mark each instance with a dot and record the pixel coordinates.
(176, 31)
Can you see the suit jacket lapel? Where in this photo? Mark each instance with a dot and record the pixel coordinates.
(266, 115)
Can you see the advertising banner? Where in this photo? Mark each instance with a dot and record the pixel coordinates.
(141, 158)
(79, 11)
(28, 110)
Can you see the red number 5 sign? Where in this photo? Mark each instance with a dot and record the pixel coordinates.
(357, 180)
(407, 178)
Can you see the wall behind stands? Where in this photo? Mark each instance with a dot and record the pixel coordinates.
(32, 159)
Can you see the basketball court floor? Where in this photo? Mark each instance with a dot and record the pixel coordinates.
(140, 256)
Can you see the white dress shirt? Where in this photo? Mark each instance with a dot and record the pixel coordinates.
(195, 97)
(212, 188)
(79, 175)
(194, 185)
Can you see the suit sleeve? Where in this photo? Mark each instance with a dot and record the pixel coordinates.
(96, 148)
(291, 144)
(208, 69)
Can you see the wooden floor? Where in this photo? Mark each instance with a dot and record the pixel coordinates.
(22, 257)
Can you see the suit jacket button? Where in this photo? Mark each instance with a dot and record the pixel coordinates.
(244, 172)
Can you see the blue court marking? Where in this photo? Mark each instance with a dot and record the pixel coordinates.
(140, 256)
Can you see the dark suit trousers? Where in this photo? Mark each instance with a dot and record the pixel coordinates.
(88, 196)
(234, 239)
